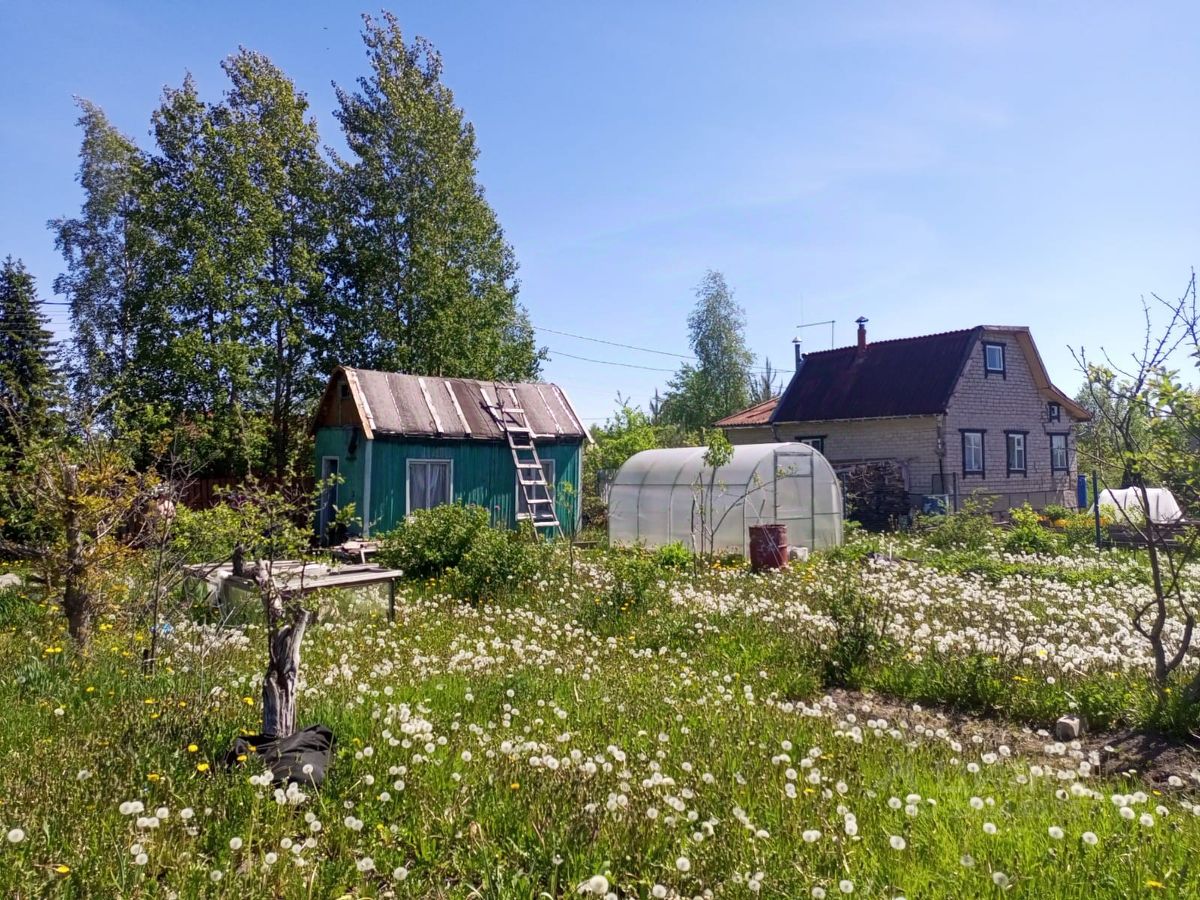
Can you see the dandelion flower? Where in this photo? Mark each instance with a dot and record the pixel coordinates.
(216, 875)
(1146, 820)
(897, 842)
(811, 836)
(1056, 832)
(989, 827)
(597, 885)
(818, 893)
(16, 835)
(235, 843)
(966, 860)
(1089, 838)
(141, 859)
(683, 864)
(846, 886)
(399, 873)
(658, 892)
(1000, 879)
(366, 864)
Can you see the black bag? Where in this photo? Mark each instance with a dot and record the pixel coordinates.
(287, 757)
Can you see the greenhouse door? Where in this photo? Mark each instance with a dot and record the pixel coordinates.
(794, 495)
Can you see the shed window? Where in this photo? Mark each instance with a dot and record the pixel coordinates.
(1059, 461)
(817, 443)
(536, 491)
(993, 359)
(972, 452)
(1015, 442)
(429, 483)
(1053, 412)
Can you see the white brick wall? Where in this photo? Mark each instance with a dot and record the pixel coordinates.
(992, 403)
(997, 404)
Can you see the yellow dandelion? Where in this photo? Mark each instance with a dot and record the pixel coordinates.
(249, 701)
(516, 785)
(192, 748)
(153, 776)
(1155, 885)
(202, 767)
(62, 870)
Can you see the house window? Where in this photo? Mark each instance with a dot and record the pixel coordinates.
(1054, 412)
(344, 391)
(993, 360)
(817, 443)
(1015, 445)
(1059, 461)
(972, 452)
(536, 491)
(429, 483)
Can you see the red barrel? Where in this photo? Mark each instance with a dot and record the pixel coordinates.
(768, 547)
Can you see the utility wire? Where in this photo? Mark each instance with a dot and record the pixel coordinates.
(613, 343)
(606, 362)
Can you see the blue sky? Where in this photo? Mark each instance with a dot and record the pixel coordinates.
(928, 165)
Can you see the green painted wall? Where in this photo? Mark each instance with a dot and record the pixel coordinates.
(482, 473)
(336, 442)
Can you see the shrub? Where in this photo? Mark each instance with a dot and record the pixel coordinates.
(857, 634)
(673, 556)
(1056, 513)
(1027, 534)
(430, 542)
(497, 563)
(205, 535)
(969, 529)
(1079, 530)
(634, 578)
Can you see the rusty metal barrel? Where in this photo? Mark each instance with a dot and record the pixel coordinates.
(768, 547)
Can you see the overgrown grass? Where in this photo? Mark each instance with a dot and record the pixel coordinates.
(609, 721)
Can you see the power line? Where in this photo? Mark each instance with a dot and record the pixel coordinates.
(683, 356)
(606, 362)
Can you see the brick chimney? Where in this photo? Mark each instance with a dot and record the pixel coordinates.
(862, 332)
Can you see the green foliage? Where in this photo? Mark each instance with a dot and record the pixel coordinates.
(206, 535)
(632, 585)
(626, 432)
(18, 610)
(1055, 513)
(498, 564)
(1027, 534)
(29, 382)
(432, 541)
(857, 632)
(429, 279)
(674, 555)
(719, 382)
(970, 528)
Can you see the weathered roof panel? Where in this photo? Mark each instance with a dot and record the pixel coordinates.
(425, 406)
(758, 414)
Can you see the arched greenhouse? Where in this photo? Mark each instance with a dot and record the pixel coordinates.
(662, 496)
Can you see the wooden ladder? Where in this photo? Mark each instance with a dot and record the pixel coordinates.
(531, 477)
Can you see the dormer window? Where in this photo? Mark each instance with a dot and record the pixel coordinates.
(993, 360)
(1054, 412)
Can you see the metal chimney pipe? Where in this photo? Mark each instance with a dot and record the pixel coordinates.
(797, 344)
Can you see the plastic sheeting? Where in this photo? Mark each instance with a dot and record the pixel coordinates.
(662, 496)
(1163, 508)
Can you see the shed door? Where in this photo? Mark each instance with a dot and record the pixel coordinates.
(329, 495)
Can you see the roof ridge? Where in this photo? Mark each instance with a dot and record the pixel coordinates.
(916, 337)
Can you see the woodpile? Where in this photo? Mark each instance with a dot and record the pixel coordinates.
(875, 493)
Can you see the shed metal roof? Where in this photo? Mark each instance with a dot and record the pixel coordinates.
(393, 403)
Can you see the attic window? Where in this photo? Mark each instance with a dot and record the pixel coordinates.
(1054, 412)
(344, 391)
(993, 360)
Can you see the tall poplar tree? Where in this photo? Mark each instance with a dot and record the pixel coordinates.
(426, 278)
(105, 250)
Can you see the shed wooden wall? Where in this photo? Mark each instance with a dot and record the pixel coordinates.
(483, 474)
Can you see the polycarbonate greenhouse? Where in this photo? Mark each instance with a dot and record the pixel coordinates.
(662, 496)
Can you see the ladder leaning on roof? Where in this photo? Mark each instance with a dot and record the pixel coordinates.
(531, 477)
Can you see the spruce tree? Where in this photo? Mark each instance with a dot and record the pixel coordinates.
(29, 380)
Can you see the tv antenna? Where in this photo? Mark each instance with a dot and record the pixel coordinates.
(830, 323)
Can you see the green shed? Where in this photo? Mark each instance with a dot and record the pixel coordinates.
(406, 442)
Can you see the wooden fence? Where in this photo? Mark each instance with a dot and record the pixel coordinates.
(205, 493)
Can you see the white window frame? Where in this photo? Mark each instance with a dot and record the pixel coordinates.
(988, 347)
(1016, 442)
(981, 468)
(448, 463)
(1066, 453)
(550, 484)
(817, 442)
(1054, 411)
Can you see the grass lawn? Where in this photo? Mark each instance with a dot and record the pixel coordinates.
(673, 742)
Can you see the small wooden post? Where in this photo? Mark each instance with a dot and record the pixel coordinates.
(392, 600)
(1096, 505)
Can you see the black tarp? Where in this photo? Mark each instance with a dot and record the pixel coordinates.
(287, 757)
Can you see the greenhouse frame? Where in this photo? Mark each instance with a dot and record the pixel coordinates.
(664, 496)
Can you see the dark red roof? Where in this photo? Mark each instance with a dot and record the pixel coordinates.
(758, 414)
(905, 377)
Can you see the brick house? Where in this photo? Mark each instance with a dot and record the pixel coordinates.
(953, 413)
